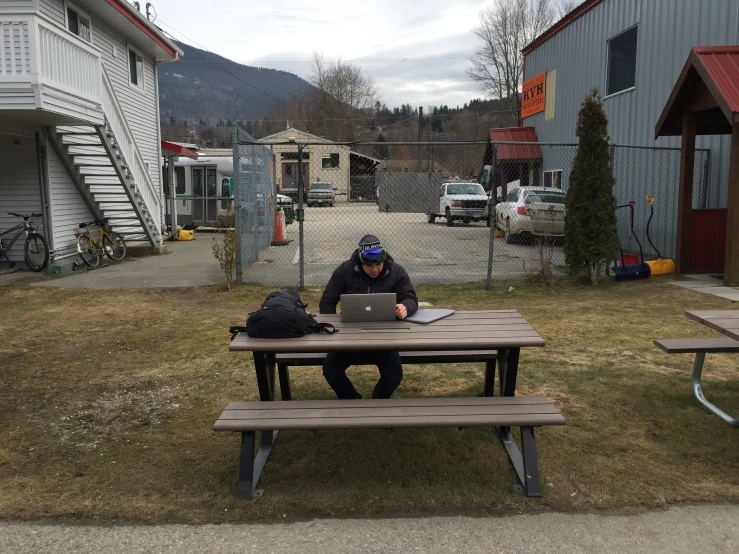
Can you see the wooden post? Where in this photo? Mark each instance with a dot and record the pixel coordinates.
(731, 268)
(685, 200)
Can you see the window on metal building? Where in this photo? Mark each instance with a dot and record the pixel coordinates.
(622, 62)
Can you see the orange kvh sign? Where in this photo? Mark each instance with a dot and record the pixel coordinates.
(532, 99)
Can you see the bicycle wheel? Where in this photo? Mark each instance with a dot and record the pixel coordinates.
(87, 251)
(36, 252)
(115, 246)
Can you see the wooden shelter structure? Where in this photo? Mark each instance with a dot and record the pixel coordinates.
(705, 101)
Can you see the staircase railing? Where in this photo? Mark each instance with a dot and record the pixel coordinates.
(128, 147)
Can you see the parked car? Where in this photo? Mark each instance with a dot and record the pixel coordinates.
(286, 203)
(460, 201)
(532, 211)
(321, 193)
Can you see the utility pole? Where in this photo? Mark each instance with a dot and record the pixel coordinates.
(420, 128)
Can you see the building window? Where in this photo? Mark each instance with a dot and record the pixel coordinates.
(330, 161)
(622, 62)
(225, 193)
(179, 179)
(553, 178)
(293, 155)
(135, 68)
(79, 24)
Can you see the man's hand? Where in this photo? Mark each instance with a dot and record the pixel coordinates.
(401, 311)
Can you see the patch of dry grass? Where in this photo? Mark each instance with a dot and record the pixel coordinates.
(108, 400)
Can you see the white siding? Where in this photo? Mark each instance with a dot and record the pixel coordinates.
(15, 6)
(139, 107)
(67, 206)
(54, 10)
(19, 185)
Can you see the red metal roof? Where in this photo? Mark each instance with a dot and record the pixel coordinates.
(709, 77)
(515, 151)
(179, 149)
(722, 65)
(574, 15)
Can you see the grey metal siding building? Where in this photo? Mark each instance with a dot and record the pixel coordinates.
(575, 55)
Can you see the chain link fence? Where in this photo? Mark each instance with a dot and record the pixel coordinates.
(448, 212)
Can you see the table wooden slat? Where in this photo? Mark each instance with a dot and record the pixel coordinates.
(391, 402)
(451, 333)
(723, 321)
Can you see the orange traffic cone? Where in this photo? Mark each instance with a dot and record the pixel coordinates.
(279, 239)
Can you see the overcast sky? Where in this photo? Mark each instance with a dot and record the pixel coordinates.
(416, 51)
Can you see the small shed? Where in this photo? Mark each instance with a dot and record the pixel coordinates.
(705, 101)
(510, 161)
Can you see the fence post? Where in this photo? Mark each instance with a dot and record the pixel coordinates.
(299, 217)
(612, 149)
(237, 203)
(706, 169)
(492, 201)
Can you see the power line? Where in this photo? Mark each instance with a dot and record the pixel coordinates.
(223, 68)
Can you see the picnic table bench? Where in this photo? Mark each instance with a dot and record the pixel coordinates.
(725, 321)
(493, 336)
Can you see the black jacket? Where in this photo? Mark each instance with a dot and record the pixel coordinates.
(350, 278)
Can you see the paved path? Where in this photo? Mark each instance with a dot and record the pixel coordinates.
(713, 529)
(188, 264)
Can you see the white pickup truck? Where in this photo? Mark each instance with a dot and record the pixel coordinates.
(460, 201)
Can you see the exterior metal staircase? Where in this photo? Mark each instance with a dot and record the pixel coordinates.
(102, 175)
(107, 168)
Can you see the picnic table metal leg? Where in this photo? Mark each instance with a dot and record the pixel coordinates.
(489, 386)
(285, 389)
(508, 363)
(698, 392)
(525, 465)
(265, 370)
(246, 466)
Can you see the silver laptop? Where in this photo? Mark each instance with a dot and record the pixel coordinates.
(428, 316)
(368, 307)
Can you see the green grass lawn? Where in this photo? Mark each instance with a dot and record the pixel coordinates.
(108, 397)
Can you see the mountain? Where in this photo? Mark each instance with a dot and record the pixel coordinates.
(198, 89)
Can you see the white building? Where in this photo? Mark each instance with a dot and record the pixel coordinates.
(79, 118)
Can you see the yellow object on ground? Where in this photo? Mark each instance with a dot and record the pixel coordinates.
(660, 267)
(499, 234)
(185, 235)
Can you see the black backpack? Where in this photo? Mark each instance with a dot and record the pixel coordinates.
(282, 316)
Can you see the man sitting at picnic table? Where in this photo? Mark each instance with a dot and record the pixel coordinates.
(370, 270)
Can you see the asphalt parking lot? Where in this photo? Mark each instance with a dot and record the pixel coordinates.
(431, 253)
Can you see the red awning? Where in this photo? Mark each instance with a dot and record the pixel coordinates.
(514, 151)
(178, 149)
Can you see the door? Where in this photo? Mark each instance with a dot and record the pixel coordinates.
(290, 176)
(198, 194)
(211, 201)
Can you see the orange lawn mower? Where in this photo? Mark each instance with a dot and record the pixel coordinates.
(658, 266)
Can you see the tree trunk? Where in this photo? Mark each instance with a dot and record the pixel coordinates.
(593, 273)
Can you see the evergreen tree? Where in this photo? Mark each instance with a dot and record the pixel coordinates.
(590, 217)
(382, 152)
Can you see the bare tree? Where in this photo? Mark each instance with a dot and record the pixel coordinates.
(344, 98)
(505, 28)
(566, 6)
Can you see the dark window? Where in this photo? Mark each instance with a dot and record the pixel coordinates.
(553, 178)
(78, 24)
(622, 62)
(225, 191)
(294, 155)
(512, 196)
(179, 179)
(136, 68)
(330, 161)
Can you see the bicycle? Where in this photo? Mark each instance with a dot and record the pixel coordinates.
(35, 249)
(91, 247)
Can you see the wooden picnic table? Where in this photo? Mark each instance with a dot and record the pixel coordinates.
(464, 331)
(723, 321)
(504, 330)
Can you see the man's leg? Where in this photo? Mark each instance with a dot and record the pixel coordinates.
(334, 370)
(391, 373)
